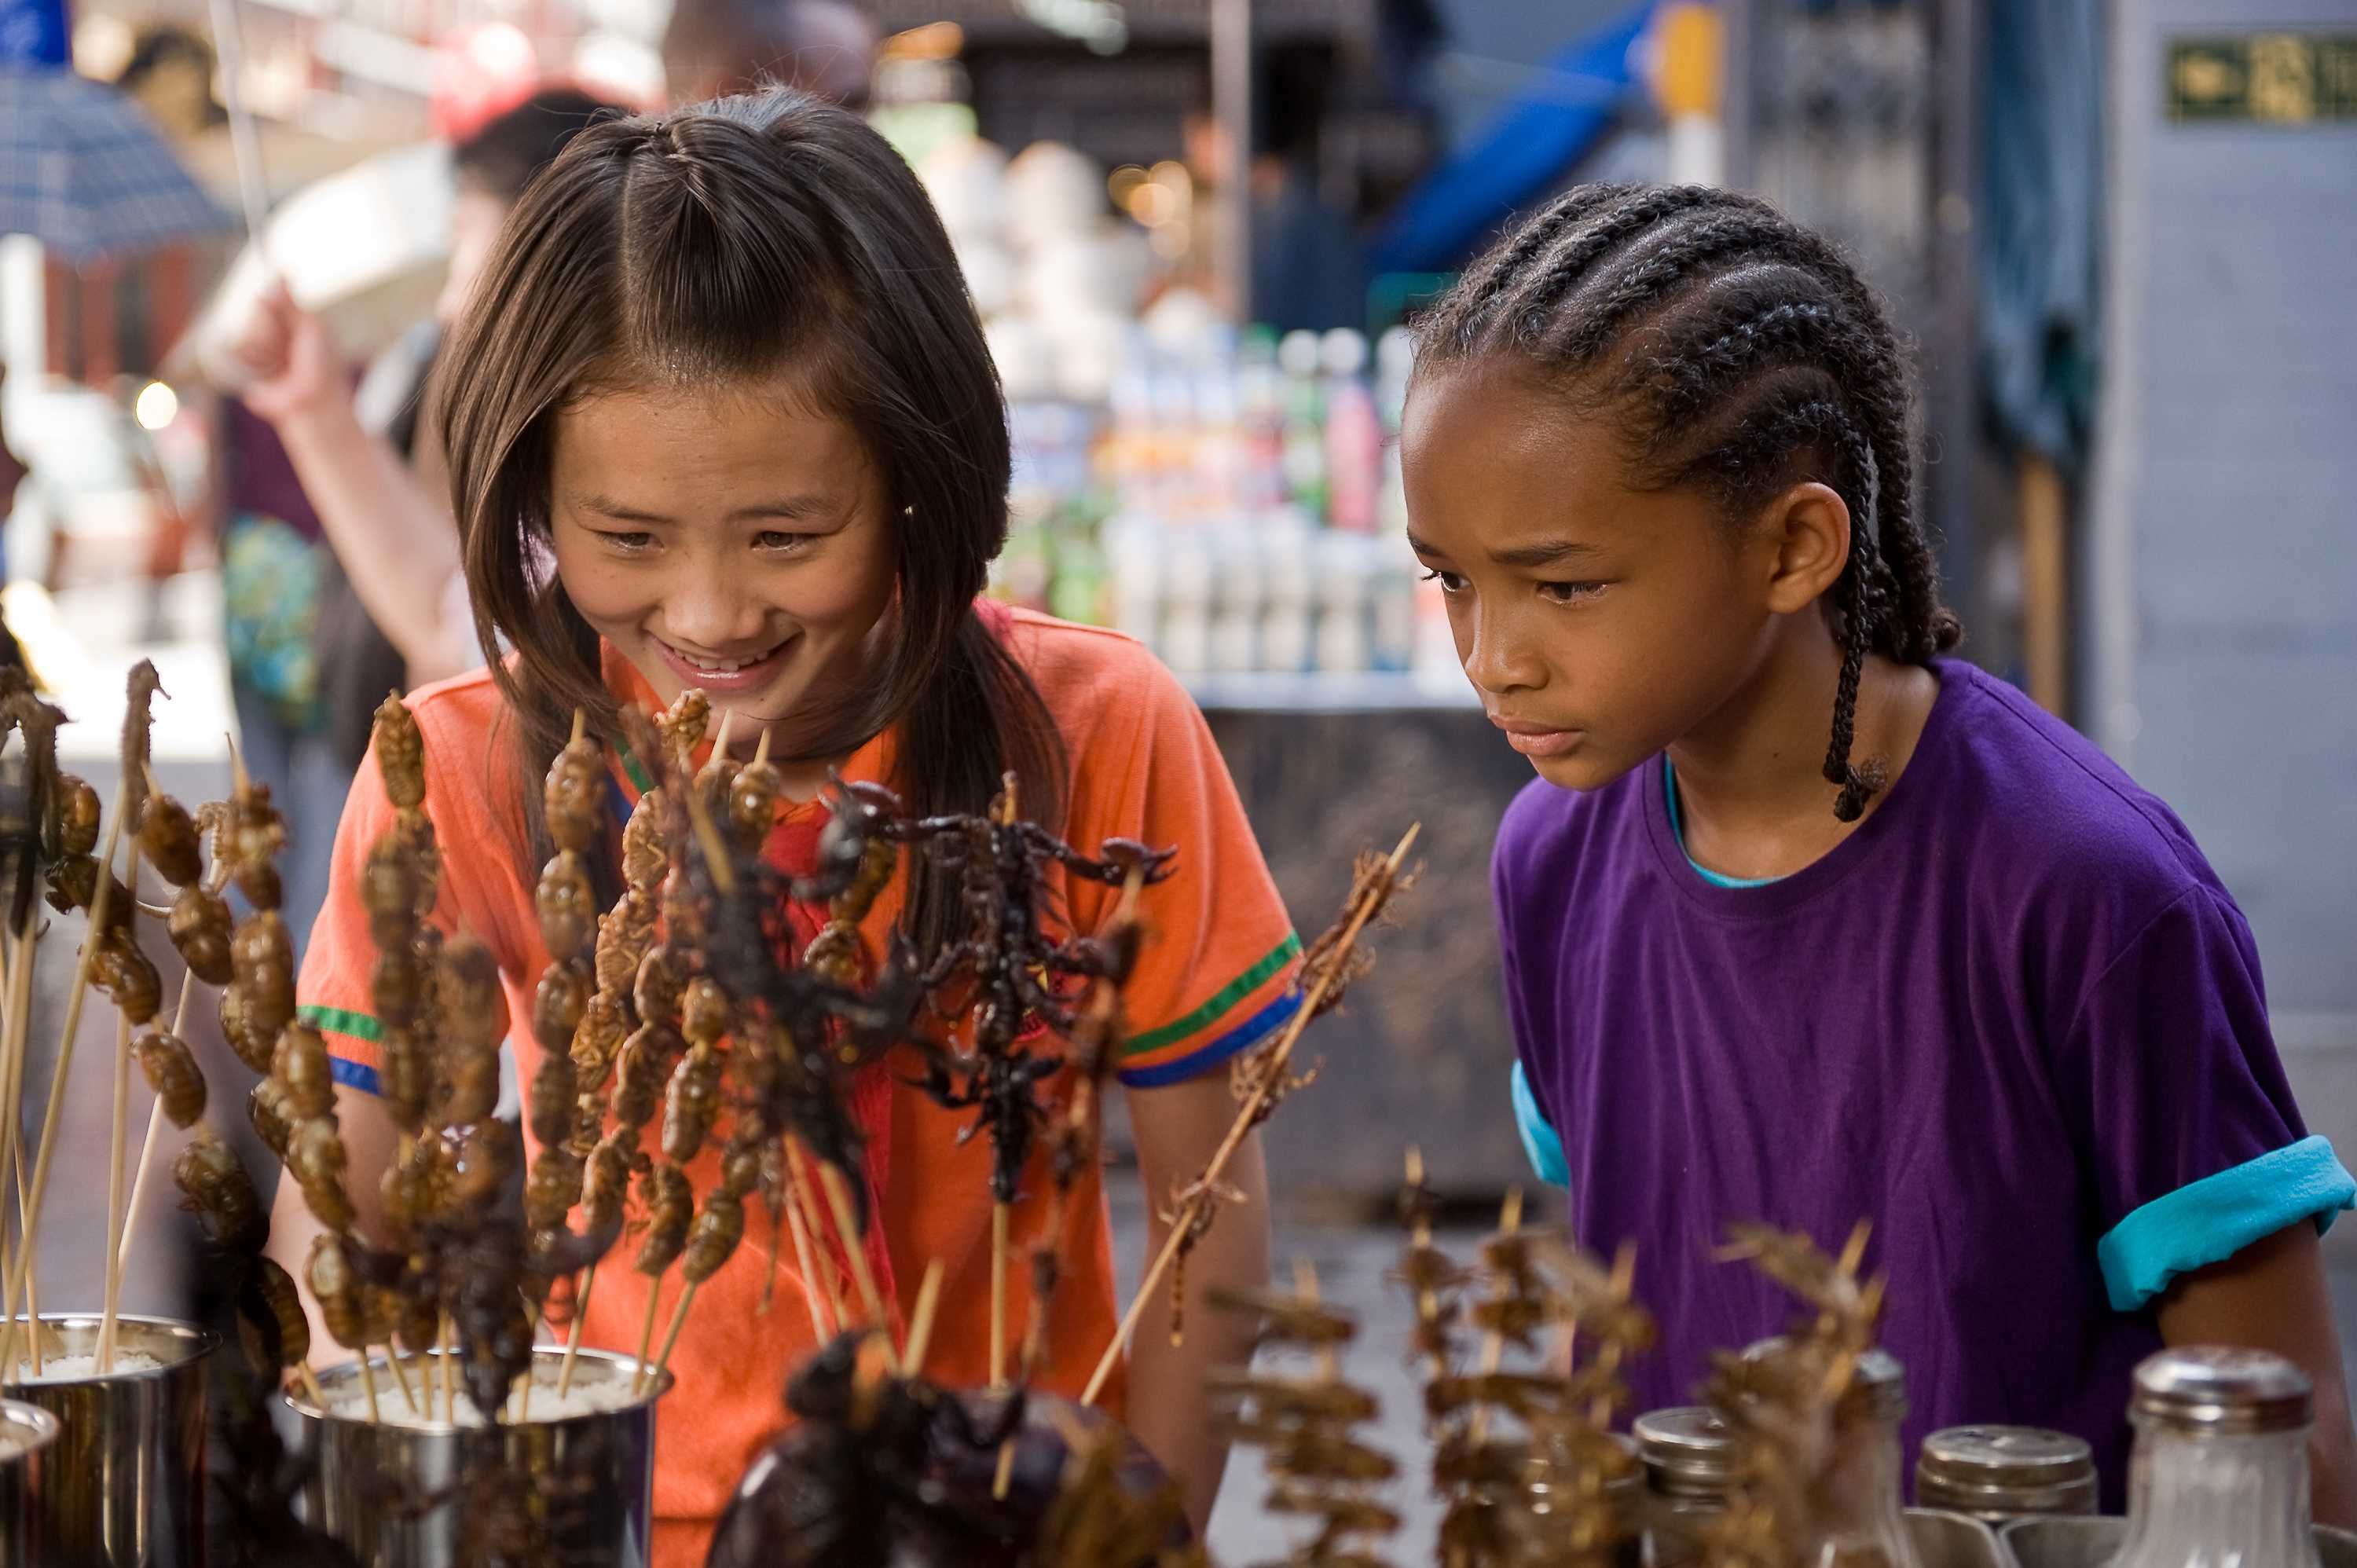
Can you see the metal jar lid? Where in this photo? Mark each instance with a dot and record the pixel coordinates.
(2210, 1389)
(2005, 1472)
(1688, 1451)
(1878, 1389)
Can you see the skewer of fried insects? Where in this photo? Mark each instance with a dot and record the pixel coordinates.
(1264, 1078)
(101, 902)
(127, 977)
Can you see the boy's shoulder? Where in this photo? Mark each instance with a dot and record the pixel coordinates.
(2034, 798)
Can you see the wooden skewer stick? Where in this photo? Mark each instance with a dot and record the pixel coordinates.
(720, 736)
(838, 1198)
(761, 746)
(998, 1218)
(311, 1387)
(154, 1135)
(1493, 1344)
(647, 1332)
(19, 1266)
(111, 1287)
(811, 1294)
(652, 1375)
(400, 1377)
(368, 1383)
(449, 1380)
(1248, 1114)
(572, 1335)
(117, 1148)
(580, 725)
(806, 1207)
(14, 1037)
(921, 1322)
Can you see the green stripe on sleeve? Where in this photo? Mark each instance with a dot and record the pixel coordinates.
(341, 1021)
(1229, 995)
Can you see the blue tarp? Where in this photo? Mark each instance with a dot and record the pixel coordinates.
(1524, 152)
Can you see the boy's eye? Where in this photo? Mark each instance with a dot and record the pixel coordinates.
(1451, 583)
(1569, 593)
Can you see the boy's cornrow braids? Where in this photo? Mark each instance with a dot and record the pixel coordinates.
(1488, 280)
(1572, 261)
(1682, 255)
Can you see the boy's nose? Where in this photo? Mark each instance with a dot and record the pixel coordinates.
(1495, 658)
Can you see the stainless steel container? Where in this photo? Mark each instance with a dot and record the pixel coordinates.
(407, 1494)
(2092, 1543)
(26, 1433)
(123, 1485)
(1944, 1539)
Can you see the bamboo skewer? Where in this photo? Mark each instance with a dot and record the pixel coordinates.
(1247, 1115)
(998, 1218)
(921, 1322)
(647, 1331)
(648, 1376)
(14, 1037)
(55, 1110)
(1493, 1343)
(572, 1335)
(449, 1382)
(805, 1207)
(400, 1377)
(368, 1383)
(838, 1198)
(154, 1135)
(111, 1288)
(811, 1294)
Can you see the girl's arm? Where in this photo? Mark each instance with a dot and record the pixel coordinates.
(1176, 1129)
(2271, 1296)
(398, 544)
(371, 1144)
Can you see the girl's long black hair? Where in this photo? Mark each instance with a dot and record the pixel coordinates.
(733, 241)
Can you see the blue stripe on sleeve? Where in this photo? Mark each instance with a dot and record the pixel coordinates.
(1244, 1035)
(354, 1075)
(2210, 1220)
(1540, 1141)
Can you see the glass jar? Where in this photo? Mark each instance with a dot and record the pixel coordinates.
(1861, 1516)
(1997, 1474)
(2220, 1476)
(1689, 1457)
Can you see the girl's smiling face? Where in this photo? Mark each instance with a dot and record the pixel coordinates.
(726, 539)
(1599, 623)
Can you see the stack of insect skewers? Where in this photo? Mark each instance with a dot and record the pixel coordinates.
(1310, 1428)
(62, 829)
(1783, 1406)
(1261, 1078)
(1526, 1459)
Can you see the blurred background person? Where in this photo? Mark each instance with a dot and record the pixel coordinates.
(713, 48)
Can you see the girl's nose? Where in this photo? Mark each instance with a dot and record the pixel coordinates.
(711, 609)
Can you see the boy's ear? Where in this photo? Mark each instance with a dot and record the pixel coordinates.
(1808, 526)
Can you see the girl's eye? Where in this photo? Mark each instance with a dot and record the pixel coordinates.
(1451, 583)
(1569, 593)
(629, 544)
(776, 542)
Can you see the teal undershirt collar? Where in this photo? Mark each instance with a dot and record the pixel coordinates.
(1678, 832)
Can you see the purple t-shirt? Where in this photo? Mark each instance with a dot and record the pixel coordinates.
(2014, 1020)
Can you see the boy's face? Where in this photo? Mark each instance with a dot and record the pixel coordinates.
(1599, 623)
(726, 539)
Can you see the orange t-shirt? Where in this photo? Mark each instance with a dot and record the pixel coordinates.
(1215, 975)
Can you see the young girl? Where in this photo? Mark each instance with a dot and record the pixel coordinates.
(1803, 922)
(721, 417)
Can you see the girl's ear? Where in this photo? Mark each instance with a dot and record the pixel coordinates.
(1808, 526)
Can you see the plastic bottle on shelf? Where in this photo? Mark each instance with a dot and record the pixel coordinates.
(1260, 421)
(1305, 418)
(1188, 576)
(1233, 640)
(1131, 543)
(1343, 645)
(1288, 591)
(1355, 432)
(1391, 596)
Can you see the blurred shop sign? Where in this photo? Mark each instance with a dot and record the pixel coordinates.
(33, 33)
(2282, 78)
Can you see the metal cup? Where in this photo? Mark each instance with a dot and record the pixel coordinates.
(123, 1485)
(403, 1493)
(26, 1431)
